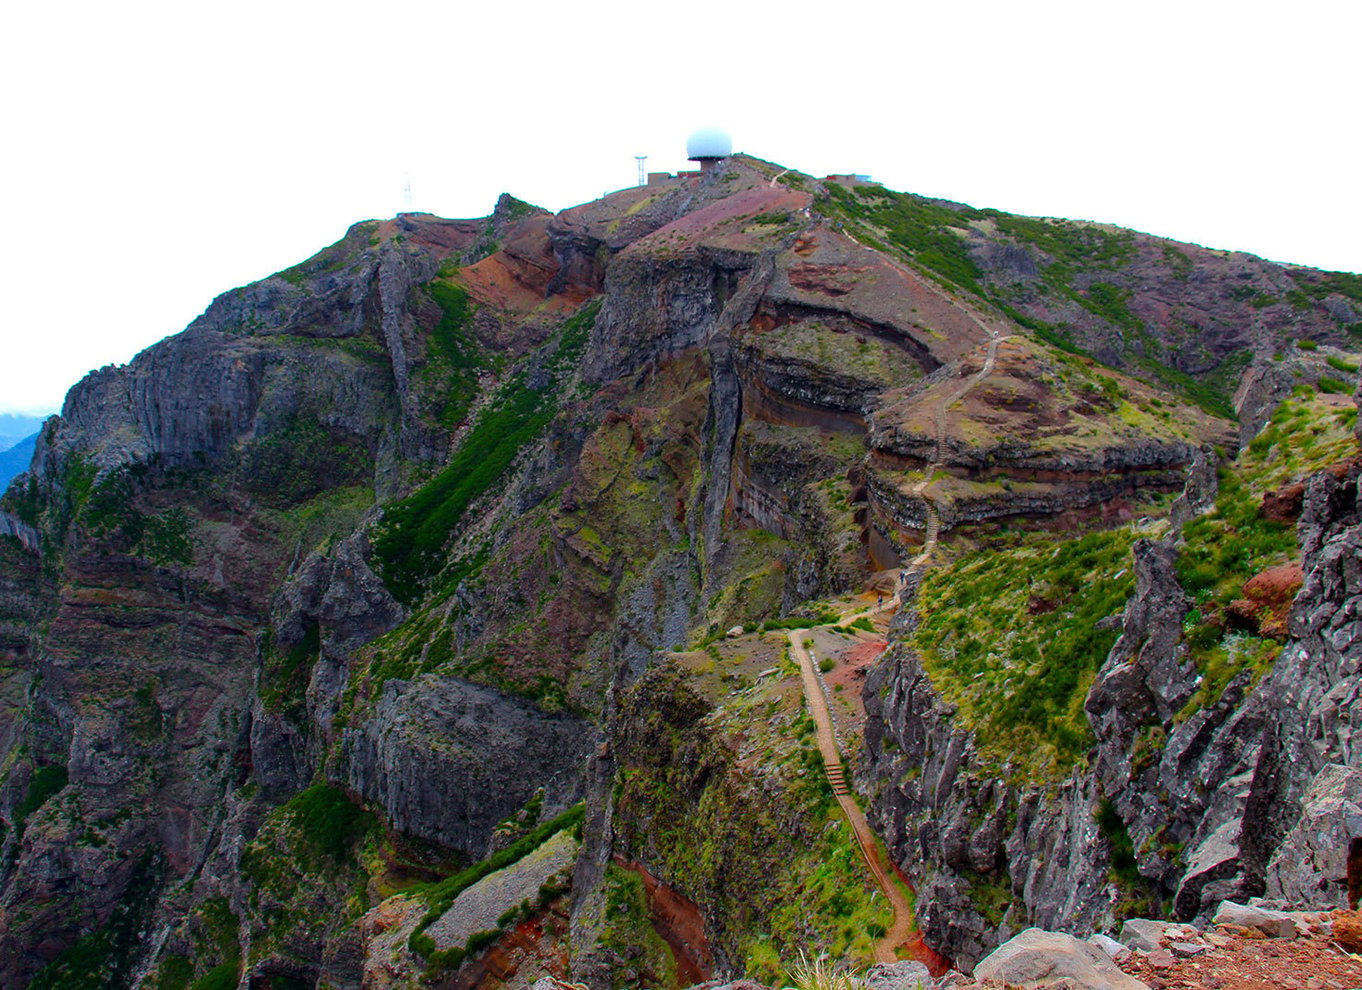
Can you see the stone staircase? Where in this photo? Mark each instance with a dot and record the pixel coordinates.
(837, 778)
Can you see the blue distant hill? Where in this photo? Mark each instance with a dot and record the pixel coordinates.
(15, 460)
(15, 427)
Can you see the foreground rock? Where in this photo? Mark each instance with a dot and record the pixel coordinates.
(1275, 924)
(907, 974)
(1038, 958)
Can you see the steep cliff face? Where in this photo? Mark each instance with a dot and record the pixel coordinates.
(1226, 772)
(392, 558)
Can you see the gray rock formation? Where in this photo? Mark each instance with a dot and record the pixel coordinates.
(1257, 786)
(1311, 866)
(422, 755)
(1037, 958)
(479, 908)
(907, 974)
(1274, 924)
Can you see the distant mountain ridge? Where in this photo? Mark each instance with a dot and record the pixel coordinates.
(14, 461)
(15, 427)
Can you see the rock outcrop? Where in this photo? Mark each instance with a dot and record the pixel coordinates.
(1247, 795)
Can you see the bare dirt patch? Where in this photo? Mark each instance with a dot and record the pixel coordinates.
(1313, 963)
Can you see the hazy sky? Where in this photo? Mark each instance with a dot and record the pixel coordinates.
(156, 154)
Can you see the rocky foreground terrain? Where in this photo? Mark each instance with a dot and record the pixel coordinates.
(444, 610)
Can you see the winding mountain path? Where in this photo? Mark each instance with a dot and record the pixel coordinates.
(923, 487)
(901, 931)
(902, 928)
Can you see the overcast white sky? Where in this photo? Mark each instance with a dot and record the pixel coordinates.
(156, 154)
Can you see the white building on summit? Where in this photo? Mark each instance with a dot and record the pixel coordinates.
(708, 145)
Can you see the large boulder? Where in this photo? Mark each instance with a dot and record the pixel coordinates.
(1275, 924)
(1037, 958)
(906, 974)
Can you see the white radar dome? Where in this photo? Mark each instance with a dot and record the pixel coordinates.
(709, 142)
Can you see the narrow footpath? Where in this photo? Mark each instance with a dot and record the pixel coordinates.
(923, 488)
(902, 928)
(901, 932)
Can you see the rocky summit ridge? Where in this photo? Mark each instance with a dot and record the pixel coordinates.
(544, 596)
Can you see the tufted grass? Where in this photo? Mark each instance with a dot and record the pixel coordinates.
(1008, 635)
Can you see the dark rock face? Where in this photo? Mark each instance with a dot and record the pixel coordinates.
(951, 829)
(424, 757)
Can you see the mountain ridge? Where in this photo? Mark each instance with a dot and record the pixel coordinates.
(444, 530)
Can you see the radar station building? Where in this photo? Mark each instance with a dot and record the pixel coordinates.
(708, 146)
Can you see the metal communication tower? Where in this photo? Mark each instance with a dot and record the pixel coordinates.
(642, 171)
(406, 195)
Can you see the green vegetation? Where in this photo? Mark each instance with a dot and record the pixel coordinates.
(1073, 247)
(644, 958)
(765, 848)
(991, 893)
(334, 257)
(300, 459)
(1212, 395)
(1137, 894)
(1109, 302)
(1123, 865)
(449, 376)
(1338, 364)
(512, 208)
(1009, 635)
(327, 821)
(1225, 548)
(109, 508)
(821, 975)
(284, 676)
(1346, 284)
(172, 973)
(1179, 262)
(309, 867)
(45, 782)
(217, 951)
(320, 521)
(1068, 255)
(824, 617)
(409, 543)
(929, 233)
(320, 827)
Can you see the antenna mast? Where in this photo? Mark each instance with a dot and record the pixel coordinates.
(642, 172)
(406, 195)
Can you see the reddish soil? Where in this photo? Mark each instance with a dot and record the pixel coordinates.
(1313, 963)
(845, 680)
(517, 278)
(535, 947)
(429, 230)
(730, 211)
(1355, 876)
(677, 920)
(826, 280)
(919, 950)
(852, 664)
